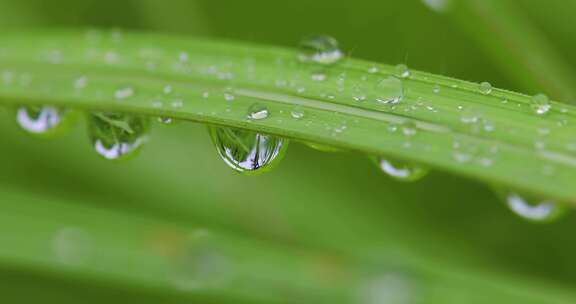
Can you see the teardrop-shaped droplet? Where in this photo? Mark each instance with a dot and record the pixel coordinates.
(402, 171)
(246, 151)
(116, 135)
(319, 49)
(541, 104)
(41, 120)
(533, 209)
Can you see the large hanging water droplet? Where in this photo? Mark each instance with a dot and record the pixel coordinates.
(41, 120)
(320, 49)
(540, 104)
(402, 171)
(116, 135)
(533, 209)
(246, 151)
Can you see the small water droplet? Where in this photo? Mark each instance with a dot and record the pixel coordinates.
(409, 128)
(436, 89)
(297, 114)
(373, 70)
(438, 6)
(402, 71)
(470, 116)
(167, 121)
(81, 82)
(167, 89)
(41, 120)
(116, 135)
(540, 104)
(72, 246)
(533, 209)
(183, 57)
(399, 170)
(485, 88)
(124, 92)
(229, 97)
(202, 264)
(319, 49)
(257, 112)
(246, 151)
(318, 76)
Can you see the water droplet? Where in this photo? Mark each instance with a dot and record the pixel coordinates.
(322, 147)
(124, 92)
(167, 89)
(81, 82)
(438, 6)
(246, 151)
(183, 57)
(116, 135)
(229, 97)
(409, 128)
(167, 121)
(202, 264)
(297, 114)
(402, 71)
(320, 49)
(257, 112)
(436, 89)
(318, 76)
(399, 170)
(389, 288)
(485, 88)
(469, 116)
(42, 120)
(533, 209)
(390, 91)
(373, 70)
(72, 246)
(540, 104)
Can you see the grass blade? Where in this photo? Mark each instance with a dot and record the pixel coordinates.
(217, 82)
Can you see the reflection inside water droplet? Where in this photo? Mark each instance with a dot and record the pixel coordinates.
(117, 135)
(246, 151)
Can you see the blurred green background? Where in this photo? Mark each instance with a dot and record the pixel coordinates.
(321, 227)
